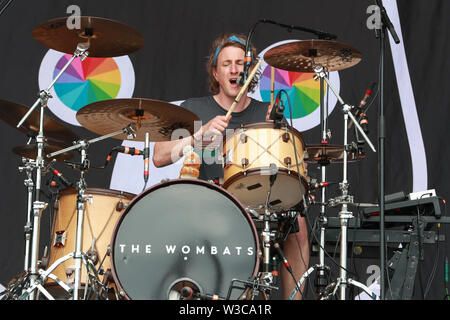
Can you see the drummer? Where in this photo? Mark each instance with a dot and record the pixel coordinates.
(225, 63)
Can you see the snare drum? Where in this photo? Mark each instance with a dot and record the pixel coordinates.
(102, 210)
(183, 234)
(249, 153)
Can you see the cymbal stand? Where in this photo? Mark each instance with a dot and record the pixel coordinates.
(83, 166)
(345, 199)
(266, 276)
(81, 199)
(39, 206)
(322, 269)
(28, 167)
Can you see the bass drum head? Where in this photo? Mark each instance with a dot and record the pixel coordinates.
(183, 233)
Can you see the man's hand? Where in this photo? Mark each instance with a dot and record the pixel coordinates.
(215, 127)
(269, 110)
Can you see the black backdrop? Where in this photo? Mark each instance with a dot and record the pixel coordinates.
(170, 66)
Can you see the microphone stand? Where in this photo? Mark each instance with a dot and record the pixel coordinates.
(385, 23)
(320, 34)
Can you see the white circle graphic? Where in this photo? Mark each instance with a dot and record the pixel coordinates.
(62, 111)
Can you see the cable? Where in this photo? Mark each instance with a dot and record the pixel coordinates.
(6, 6)
(433, 272)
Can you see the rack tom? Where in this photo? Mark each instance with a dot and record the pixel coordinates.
(250, 154)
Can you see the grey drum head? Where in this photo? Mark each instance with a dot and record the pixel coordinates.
(183, 233)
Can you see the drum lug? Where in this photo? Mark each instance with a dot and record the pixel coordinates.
(286, 137)
(228, 158)
(288, 161)
(243, 137)
(244, 162)
(119, 206)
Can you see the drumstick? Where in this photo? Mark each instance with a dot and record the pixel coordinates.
(272, 86)
(272, 94)
(238, 97)
(244, 87)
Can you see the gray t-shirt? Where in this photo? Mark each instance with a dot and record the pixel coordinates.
(206, 108)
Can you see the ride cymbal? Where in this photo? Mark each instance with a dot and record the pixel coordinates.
(106, 38)
(161, 119)
(303, 56)
(12, 113)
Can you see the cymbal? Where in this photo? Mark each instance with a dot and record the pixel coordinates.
(106, 38)
(303, 56)
(30, 151)
(12, 113)
(325, 153)
(160, 119)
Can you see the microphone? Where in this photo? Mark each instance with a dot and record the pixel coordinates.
(243, 76)
(122, 149)
(359, 109)
(273, 173)
(364, 122)
(146, 156)
(277, 112)
(128, 150)
(62, 178)
(282, 256)
(315, 185)
(385, 19)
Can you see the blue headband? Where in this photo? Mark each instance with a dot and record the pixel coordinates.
(219, 48)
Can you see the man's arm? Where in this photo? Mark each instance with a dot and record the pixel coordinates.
(168, 152)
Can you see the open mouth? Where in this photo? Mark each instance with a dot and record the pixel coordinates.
(233, 81)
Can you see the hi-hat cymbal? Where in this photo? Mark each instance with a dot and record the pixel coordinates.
(30, 151)
(303, 56)
(12, 113)
(161, 119)
(325, 153)
(106, 38)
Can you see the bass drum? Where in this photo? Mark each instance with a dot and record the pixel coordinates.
(180, 236)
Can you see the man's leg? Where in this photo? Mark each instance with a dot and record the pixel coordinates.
(296, 250)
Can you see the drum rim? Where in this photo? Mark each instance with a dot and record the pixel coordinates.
(235, 177)
(122, 292)
(99, 191)
(271, 125)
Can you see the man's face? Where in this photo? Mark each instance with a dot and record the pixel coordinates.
(230, 63)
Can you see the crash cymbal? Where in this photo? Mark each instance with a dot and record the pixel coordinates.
(325, 153)
(158, 118)
(30, 151)
(12, 113)
(106, 38)
(302, 56)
